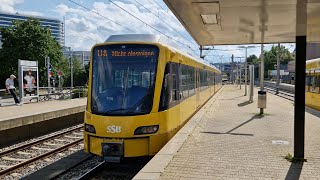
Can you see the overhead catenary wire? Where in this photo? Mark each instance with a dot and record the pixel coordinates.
(101, 15)
(149, 24)
(129, 29)
(164, 22)
(175, 20)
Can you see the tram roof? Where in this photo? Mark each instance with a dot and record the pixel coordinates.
(222, 22)
(313, 64)
(152, 38)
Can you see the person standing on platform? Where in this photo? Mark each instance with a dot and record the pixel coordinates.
(10, 87)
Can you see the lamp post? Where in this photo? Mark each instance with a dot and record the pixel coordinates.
(71, 68)
(246, 66)
(278, 69)
(240, 71)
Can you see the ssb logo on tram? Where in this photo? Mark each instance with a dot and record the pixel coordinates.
(114, 129)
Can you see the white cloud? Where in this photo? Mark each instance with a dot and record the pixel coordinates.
(32, 13)
(85, 28)
(8, 5)
(61, 9)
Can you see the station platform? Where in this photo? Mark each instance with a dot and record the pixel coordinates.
(28, 120)
(227, 139)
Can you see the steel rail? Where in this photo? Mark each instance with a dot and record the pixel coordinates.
(5, 171)
(92, 171)
(38, 141)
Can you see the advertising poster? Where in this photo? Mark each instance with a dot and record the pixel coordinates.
(29, 81)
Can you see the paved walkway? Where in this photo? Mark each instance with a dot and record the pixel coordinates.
(11, 112)
(230, 141)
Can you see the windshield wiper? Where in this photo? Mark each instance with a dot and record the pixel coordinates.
(138, 103)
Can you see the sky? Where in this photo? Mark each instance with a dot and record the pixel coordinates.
(88, 22)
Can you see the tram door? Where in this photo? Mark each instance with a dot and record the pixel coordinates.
(198, 88)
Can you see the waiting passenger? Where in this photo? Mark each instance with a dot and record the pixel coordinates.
(10, 87)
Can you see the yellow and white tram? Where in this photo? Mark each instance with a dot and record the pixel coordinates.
(313, 83)
(141, 93)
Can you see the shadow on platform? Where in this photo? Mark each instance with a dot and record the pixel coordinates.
(240, 134)
(244, 103)
(232, 98)
(294, 171)
(313, 111)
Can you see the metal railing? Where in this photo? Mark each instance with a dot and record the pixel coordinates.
(53, 93)
(61, 93)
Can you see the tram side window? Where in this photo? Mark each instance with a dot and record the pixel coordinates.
(191, 81)
(174, 71)
(308, 83)
(210, 79)
(166, 89)
(217, 79)
(213, 79)
(169, 91)
(318, 83)
(313, 83)
(184, 81)
(202, 79)
(205, 80)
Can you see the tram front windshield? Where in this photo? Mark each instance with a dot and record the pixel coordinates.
(123, 79)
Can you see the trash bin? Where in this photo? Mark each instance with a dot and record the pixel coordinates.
(262, 99)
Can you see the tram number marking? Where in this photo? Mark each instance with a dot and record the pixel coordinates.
(102, 53)
(114, 129)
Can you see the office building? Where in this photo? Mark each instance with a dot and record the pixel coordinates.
(82, 56)
(55, 25)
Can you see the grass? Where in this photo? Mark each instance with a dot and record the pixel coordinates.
(289, 157)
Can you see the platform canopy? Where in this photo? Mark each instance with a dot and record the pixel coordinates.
(223, 22)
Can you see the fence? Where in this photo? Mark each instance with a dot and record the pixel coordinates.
(53, 93)
(61, 93)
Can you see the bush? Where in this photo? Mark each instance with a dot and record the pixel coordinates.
(76, 93)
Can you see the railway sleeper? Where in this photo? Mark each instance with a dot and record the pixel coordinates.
(13, 159)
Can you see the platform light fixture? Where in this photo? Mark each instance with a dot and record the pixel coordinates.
(209, 18)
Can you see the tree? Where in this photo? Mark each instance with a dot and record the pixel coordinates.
(252, 59)
(270, 58)
(27, 40)
(80, 73)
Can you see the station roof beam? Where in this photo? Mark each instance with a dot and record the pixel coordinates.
(226, 22)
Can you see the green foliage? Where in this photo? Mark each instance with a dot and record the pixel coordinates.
(270, 58)
(76, 93)
(27, 40)
(80, 73)
(252, 59)
(289, 157)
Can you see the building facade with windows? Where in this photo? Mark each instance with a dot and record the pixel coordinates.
(55, 25)
(82, 56)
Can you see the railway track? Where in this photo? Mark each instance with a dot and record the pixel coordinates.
(18, 157)
(113, 171)
(93, 171)
(284, 94)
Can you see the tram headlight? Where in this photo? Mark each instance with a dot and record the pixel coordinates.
(89, 128)
(146, 130)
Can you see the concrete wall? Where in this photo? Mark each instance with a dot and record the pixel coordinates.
(22, 133)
